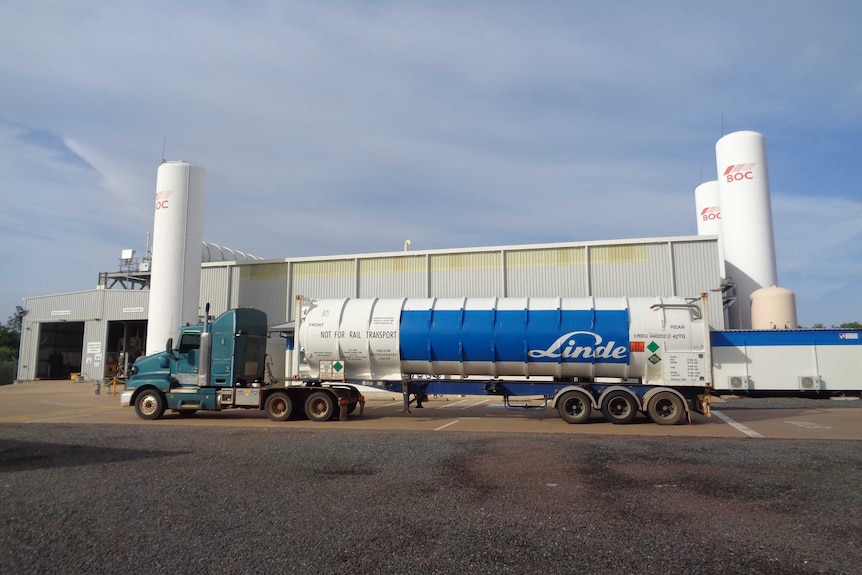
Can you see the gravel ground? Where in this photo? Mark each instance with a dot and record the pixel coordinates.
(139, 499)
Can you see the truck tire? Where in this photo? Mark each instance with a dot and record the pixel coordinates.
(319, 406)
(619, 407)
(278, 406)
(666, 408)
(150, 404)
(575, 407)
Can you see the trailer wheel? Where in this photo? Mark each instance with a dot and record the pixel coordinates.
(574, 407)
(619, 407)
(666, 408)
(150, 404)
(319, 406)
(278, 406)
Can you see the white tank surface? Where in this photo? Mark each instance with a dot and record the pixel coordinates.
(176, 262)
(746, 217)
(385, 339)
(708, 208)
(773, 308)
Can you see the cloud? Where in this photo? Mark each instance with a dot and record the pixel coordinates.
(329, 128)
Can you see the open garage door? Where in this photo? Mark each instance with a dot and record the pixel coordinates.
(125, 344)
(60, 349)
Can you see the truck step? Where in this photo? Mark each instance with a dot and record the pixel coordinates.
(527, 401)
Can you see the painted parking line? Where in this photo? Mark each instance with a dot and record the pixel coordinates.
(447, 425)
(451, 405)
(385, 405)
(475, 404)
(736, 425)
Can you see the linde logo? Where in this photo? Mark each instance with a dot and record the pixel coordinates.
(711, 213)
(567, 347)
(162, 199)
(738, 172)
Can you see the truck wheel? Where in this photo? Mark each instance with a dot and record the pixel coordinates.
(619, 407)
(319, 406)
(150, 404)
(574, 407)
(666, 408)
(278, 406)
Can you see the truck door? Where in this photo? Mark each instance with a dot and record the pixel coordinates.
(188, 353)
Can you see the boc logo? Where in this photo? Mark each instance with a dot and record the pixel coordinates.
(739, 172)
(162, 199)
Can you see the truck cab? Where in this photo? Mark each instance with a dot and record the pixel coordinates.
(221, 365)
(192, 374)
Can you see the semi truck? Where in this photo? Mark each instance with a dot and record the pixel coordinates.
(579, 356)
(221, 365)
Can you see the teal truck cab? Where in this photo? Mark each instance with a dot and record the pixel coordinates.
(218, 366)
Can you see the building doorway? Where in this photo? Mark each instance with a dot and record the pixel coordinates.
(125, 344)
(60, 349)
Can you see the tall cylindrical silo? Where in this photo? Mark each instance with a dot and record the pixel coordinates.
(176, 260)
(746, 218)
(708, 208)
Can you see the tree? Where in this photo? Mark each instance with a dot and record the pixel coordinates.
(851, 325)
(10, 339)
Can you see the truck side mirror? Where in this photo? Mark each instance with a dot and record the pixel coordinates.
(169, 346)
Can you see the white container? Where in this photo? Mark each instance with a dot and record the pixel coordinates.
(773, 308)
(707, 204)
(386, 339)
(746, 218)
(176, 263)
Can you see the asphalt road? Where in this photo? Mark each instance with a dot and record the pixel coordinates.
(788, 418)
(86, 487)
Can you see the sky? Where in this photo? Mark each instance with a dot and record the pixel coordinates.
(349, 127)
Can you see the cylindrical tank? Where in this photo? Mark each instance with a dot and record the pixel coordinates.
(746, 217)
(176, 261)
(384, 339)
(773, 308)
(708, 208)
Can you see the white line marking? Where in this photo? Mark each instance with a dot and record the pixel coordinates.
(475, 404)
(736, 425)
(447, 425)
(385, 405)
(448, 405)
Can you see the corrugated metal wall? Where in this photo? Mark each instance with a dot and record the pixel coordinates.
(217, 287)
(265, 287)
(396, 276)
(685, 267)
(477, 274)
(546, 272)
(630, 270)
(694, 264)
(330, 278)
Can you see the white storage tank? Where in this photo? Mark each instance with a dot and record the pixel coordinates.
(176, 262)
(773, 308)
(746, 218)
(383, 339)
(708, 212)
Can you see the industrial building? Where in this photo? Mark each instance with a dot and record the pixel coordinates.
(732, 259)
(88, 332)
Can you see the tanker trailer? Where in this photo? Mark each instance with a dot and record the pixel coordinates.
(575, 355)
